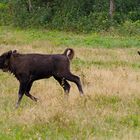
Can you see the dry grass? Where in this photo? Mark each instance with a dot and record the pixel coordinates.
(109, 110)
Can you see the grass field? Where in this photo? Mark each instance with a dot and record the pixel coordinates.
(109, 67)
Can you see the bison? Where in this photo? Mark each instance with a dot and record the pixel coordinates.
(28, 68)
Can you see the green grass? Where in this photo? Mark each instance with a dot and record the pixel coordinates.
(83, 63)
(20, 37)
(109, 69)
(86, 126)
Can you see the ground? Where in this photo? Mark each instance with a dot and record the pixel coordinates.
(109, 68)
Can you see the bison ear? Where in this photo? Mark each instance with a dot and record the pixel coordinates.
(14, 51)
(8, 55)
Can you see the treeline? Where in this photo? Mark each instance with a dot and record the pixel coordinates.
(73, 15)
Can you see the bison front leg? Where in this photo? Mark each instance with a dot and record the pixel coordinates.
(21, 92)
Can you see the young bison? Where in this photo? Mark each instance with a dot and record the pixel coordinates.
(30, 67)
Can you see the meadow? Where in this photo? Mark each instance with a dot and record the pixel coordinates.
(109, 67)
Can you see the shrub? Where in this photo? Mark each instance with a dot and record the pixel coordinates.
(76, 15)
(130, 28)
(5, 17)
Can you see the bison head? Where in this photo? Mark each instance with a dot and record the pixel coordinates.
(4, 60)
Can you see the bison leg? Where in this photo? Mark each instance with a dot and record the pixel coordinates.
(20, 93)
(76, 80)
(64, 84)
(27, 92)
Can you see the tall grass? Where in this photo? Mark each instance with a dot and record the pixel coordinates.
(110, 78)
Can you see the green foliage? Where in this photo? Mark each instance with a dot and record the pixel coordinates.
(130, 28)
(5, 18)
(76, 15)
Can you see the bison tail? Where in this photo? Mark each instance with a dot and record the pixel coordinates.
(69, 53)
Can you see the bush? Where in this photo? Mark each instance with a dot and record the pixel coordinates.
(5, 17)
(130, 28)
(76, 15)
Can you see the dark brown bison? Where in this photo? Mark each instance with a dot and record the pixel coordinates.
(30, 67)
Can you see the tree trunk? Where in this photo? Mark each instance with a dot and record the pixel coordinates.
(112, 8)
(29, 5)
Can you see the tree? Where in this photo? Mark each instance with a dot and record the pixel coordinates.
(29, 5)
(112, 8)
